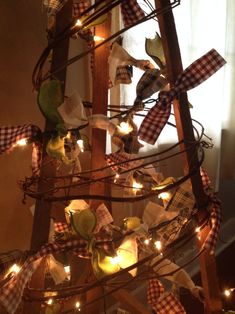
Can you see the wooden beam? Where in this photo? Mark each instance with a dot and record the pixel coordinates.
(171, 48)
(98, 138)
(42, 214)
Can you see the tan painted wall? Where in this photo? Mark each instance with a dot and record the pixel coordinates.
(22, 38)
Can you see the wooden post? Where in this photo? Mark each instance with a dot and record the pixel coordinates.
(42, 214)
(98, 138)
(213, 304)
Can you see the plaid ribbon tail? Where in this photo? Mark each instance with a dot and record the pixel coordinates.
(216, 220)
(215, 215)
(154, 122)
(162, 302)
(131, 12)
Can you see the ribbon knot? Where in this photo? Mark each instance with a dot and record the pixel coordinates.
(199, 71)
(165, 97)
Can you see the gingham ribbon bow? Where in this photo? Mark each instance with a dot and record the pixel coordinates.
(199, 71)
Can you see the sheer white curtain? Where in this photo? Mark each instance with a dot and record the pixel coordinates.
(201, 25)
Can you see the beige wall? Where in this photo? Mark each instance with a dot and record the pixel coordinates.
(22, 39)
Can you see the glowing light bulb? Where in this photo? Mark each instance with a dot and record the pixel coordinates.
(14, 269)
(98, 38)
(136, 185)
(197, 230)
(158, 245)
(77, 305)
(81, 145)
(125, 128)
(78, 23)
(227, 292)
(116, 177)
(50, 301)
(147, 241)
(115, 260)
(67, 271)
(22, 142)
(164, 196)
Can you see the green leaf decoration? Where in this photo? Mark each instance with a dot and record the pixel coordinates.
(50, 97)
(83, 223)
(153, 48)
(102, 264)
(132, 223)
(55, 148)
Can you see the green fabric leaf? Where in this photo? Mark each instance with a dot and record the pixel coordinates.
(102, 264)
(154, 49)
(50, 97)
(84, 222)
(55, 149)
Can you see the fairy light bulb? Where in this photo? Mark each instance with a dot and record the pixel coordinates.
(50, 301)
(22, 142)
(147, 241)
(116, 177)
(13, 270)
(81, 145)
(98, 38)
(164, 196)
(125, 128)
(67, 271)
(77, 306)
(158, 245)
(78, 23)
(227, 292)
(115, 260)
(136, 185)
(197, 230)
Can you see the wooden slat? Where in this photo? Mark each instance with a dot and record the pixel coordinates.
(171, 48)
(41, 222)
(98, 138)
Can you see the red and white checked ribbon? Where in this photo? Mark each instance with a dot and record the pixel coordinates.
(131, 12)
(11, 293)
(80, 6)
(215, 214)
(10, 135)
(199, 71)
(125, 159)
(163, 302)
(61, 227)
(104, 217)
